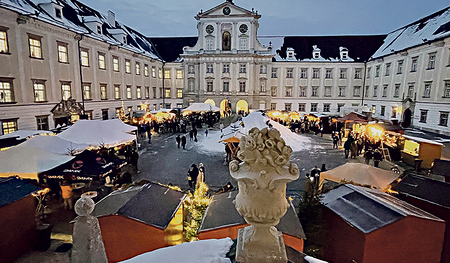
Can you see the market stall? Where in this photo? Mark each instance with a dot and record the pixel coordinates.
(420, 152)
(232, 142)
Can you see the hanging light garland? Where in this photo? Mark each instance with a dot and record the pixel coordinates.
(196, 204)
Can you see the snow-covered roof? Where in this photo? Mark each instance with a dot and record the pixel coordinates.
(423, 31)
(23, 134)
(54, 144)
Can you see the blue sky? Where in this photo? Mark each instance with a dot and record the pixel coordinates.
(278, 18)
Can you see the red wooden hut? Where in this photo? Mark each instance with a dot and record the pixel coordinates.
(222, 220)
(140, 219)
(366, 225)
(18, 233)
(432, 196)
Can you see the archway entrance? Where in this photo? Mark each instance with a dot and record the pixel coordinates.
(210, 101)
(241, 106)
(225, 106)
(407, 118)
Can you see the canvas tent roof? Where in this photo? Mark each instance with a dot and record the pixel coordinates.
(232, 137)
(97, 133)
(370, 209)
(221, 212)
(27, 162)
(361, 174)
(201, 107)
(23, 134)
(352, 117)
(111, 203)
(54, 144)
(13, 189)
(154, 205)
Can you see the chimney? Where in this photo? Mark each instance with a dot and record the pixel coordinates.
(111, 18)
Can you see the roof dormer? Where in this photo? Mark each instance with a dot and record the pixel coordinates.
(54, 9)
(290, 54)
(118, 34)
(343, 52)
(316, 52)
(93, 23)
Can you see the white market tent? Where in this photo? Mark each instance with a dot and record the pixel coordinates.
(196, 107)
(97, 133)
(28, 162)
(23, 134)
(361, 174)
(54, 144)
(119, 125)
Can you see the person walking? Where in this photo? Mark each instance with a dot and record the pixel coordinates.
(354, 149)
(347, 145)
(335, 141)
(149, 134)
(191, 135)
(192, 176)
(368, 155)
(66, 190)
(195, 134)
(201, 175)
(178, 139)
(377, 157)
(183, 141)
(206, 132)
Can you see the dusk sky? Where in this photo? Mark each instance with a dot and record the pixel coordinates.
(278, 18)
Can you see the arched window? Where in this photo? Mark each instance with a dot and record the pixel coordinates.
(226, 41)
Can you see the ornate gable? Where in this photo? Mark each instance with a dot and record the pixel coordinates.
(227, 9)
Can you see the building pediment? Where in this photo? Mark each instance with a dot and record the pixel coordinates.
(227, 9)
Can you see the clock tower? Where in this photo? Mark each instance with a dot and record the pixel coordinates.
(227, 64)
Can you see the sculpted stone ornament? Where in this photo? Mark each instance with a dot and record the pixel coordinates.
(262, 176)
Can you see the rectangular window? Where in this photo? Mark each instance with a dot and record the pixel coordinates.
(377, 71)
(447, 89)
(147, 92)
(209, 86)
(423, 116)
(262, 88)
(356, 91)
(65, 91)
(316, 73)
(329, 73)
(129, 96)
(431, 60)
(273, 91)
(327, 92)
(366, 93)
(289, 73)
(153, 72)
(341, 92)
(343, 73)
(87, 91)
(313, 107)
(42, 123)
(39, 90)
(375, 90)
(209, 43)
(168, 94)
(383, 110)
(242, 43)
(410, 90)
(146, 70)
(154, 93)
(400, 67)
(301, 107)
(273, 106)
(6, 91)
(226, 68)
(35, 46)
(179, 93)
(303, 73)
(226, 86)
(288, 91)
(116, 66)
(101, 61)
(117, 92)
(191, 69)
(9, 126)
(443, 118)
(326, 107)
(242, 86)
(3, 41)
(358, 73)
(105, 114)
(414, 64)
(84, 54)
(374, 108)
(242, 68)
(339, 106)
(127, 66)
(427, 90)
(287, 106)
(274, 73)
(191, 83)
(138, 68)
(385, 90)
(302, 92)
(368, 73)
(209, 68)
(315, 92)
(388, 69)
(397, 90)
(394, 112)
(263, 69)
(63, 56)
(103, 92)
(138, 92)
(179, 74)
(167, 73)
(160, 73)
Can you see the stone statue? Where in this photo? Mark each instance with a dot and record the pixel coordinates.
(262, 176)
(87, 237)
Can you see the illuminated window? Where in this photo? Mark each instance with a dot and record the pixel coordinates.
(101, 61)
(138, 68)
(128, 92)
(62, 53)
(116, 64)
(103, 92)
(168, 94)
(179, 93)
(3, 41)
(6, 91)
(9, 126)
(39, 90)
(35, 47)
(84, 54)
(146, 70)
(179, 74)
(153, 72)
(147, 92)
(117, 92)
(138, 92)
(87, 91)
(127, 66)
(160, 73)
(167, 74)
(65, 91)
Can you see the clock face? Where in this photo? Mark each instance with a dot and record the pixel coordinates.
(209, 29)
(226, 10)
(243, 28)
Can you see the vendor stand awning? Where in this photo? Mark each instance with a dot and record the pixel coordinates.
(352, 117)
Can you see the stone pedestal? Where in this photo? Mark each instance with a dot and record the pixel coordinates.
(274, 250)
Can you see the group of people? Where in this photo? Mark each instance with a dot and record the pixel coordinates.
(356, 144)
(196, 175)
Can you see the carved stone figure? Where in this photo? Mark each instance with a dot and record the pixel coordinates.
(262, 176)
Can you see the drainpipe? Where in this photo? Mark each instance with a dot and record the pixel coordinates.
(364, 84)
(163, 89)
(79, 37)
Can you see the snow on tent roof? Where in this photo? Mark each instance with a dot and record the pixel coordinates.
(201, 107)
(27, 162)
(54, 144)
(13, 189)
(369, 209)
(222, 213)
(423, 31)
(111, 203)
(154, 205)
(23, 134)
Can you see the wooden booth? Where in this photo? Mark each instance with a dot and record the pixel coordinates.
(140, 219)
(419, 151)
